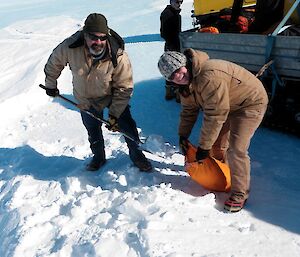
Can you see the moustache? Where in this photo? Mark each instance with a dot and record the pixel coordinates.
(95, 45)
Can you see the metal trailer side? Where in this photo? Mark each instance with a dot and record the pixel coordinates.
(252, 51)
(249, 51)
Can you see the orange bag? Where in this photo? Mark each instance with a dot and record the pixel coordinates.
(212, 30)
(211, 173)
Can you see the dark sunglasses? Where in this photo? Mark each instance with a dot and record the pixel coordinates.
(94, 37)
(179, 2)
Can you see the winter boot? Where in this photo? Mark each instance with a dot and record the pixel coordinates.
(95, 164)
(99, 159)
(235, 202)
(143, 165)
(140, 160)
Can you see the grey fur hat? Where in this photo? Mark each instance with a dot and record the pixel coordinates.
(171, 61)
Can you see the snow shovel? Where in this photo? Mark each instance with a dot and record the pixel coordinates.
(139, 142)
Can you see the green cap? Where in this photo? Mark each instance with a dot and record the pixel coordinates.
(96, 22)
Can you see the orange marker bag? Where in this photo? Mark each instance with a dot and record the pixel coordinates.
(211, 173)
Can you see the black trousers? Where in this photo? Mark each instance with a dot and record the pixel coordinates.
(126, 124)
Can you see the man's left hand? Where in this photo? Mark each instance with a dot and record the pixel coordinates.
(113, 124)
(201, 154)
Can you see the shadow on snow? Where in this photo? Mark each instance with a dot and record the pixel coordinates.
(275, 194)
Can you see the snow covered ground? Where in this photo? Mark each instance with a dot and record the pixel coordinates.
(50, 206)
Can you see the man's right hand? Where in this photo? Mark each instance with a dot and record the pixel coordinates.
(183, 144)
(52, 92)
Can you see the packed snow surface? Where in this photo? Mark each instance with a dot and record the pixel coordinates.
(51, 206)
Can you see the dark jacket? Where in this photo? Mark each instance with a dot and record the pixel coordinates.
(170, 27)
(267, 13)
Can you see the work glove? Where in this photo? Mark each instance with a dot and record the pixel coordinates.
(113, 124)
(183, 144)
(52, 92)
(201, 154)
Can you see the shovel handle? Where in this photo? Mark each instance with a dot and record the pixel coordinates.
(92, 115)
(62, 97)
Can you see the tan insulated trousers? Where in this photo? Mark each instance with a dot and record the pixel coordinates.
(233, 143)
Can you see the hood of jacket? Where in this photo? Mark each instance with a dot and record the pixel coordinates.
(197, 59)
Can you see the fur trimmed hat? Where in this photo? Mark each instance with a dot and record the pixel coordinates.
(171, 61)
(96, 22)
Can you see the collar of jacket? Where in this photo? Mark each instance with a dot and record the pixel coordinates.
(115, 42)
(197, 59)
(172, 9)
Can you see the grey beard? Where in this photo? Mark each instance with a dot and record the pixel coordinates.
(99, 54)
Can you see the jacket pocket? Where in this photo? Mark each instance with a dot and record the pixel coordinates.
(106, 84)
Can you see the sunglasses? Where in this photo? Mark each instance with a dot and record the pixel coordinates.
(179, 2)
(94, 37)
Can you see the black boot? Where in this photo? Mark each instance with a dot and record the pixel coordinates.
(140, 160)
(95, 164)
(99, 156)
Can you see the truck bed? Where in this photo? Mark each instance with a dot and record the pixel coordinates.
(249, 50)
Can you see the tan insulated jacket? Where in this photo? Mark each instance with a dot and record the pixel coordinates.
(218, 88)
(100, 84)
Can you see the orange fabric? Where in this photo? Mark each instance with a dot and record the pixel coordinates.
(212, 30)
(211, 173)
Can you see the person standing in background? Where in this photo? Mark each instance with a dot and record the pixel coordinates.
(170, 27)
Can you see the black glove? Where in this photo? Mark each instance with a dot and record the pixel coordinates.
(52, 92)
(113, 124)
(201, 154)
(183, 144)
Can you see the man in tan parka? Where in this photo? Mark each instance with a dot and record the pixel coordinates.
(233, 102)
(102, 78)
